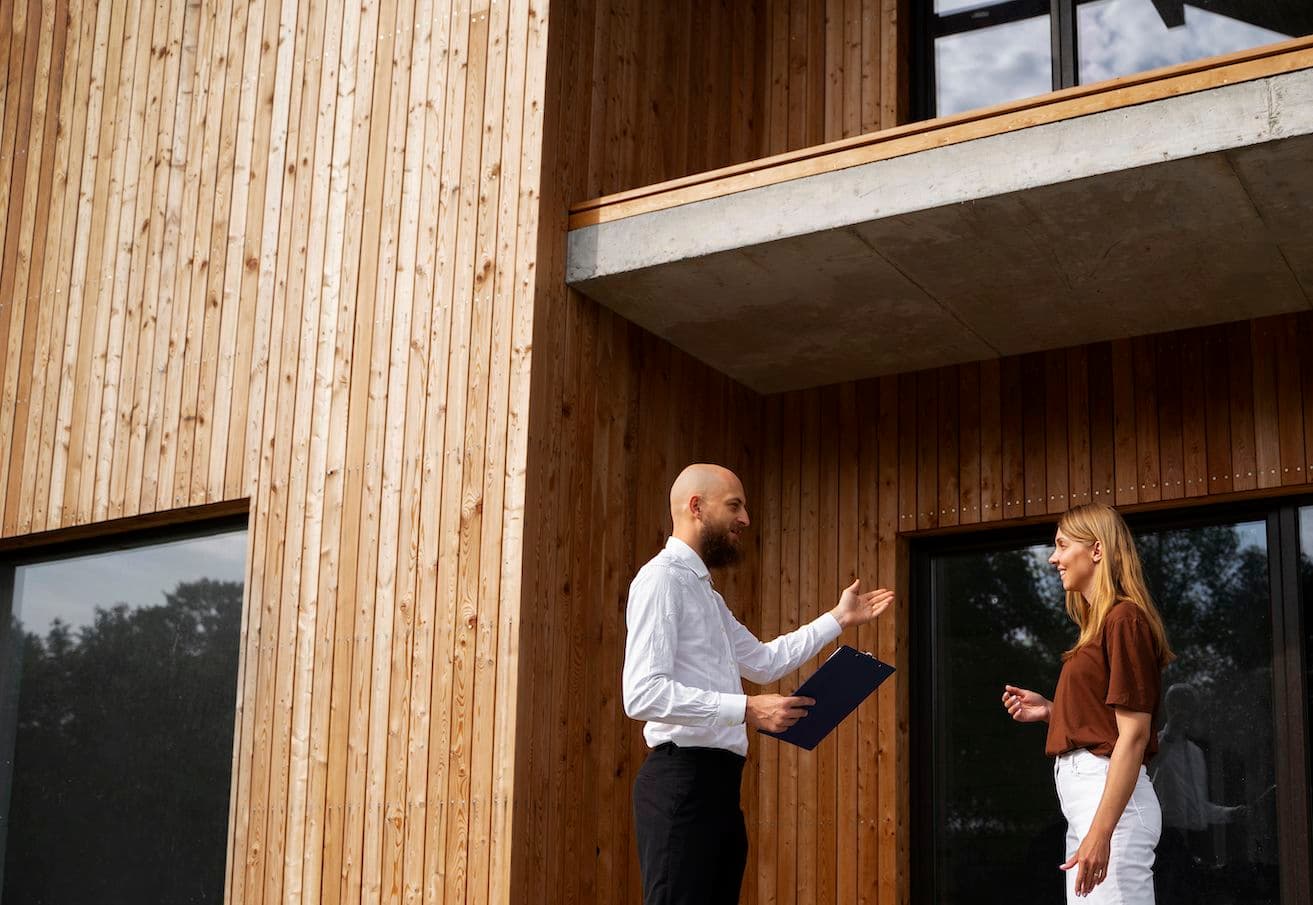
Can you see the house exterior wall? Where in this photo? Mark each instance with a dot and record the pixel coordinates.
(308, 258)
(281, 253)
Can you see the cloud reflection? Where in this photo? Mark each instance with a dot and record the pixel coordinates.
(70, 589)
(1008, 62)
(1120, 37)
(992, 65)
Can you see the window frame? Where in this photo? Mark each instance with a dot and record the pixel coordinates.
(1292, 723)
(73, 543)
(927, 26)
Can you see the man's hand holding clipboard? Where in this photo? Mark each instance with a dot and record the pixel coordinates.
(844, 680)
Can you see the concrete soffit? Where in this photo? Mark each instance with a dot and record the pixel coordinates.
(1178, 212)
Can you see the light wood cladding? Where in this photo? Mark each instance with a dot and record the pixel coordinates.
(283, 252)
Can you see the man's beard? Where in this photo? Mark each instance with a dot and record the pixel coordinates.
(718, 549)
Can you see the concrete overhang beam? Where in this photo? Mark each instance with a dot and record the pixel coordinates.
(1183, 211)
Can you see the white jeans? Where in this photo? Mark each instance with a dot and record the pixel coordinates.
(1080, 777)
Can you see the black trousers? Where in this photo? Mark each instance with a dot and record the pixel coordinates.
(692, 842)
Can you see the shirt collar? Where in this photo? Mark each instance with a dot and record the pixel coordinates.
(685, 556)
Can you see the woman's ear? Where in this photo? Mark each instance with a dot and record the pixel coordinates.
(1096, 551)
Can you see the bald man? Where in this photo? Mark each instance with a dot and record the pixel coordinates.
(684, 658)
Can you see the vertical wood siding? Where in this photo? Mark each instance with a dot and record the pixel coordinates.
(283, 251)
(658, 91)
(639, 93)
(310, 254)
(1230, 408)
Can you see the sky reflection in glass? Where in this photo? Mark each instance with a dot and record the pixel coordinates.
(992, 65)
(1121, 37)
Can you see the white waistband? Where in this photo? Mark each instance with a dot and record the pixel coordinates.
(1080, 754)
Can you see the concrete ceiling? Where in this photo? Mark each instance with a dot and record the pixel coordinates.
(1182, 212)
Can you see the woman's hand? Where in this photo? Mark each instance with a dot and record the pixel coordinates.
(1090, 862)
(1026, 706)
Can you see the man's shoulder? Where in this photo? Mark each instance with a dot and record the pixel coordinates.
(663, 569)
(664, 563)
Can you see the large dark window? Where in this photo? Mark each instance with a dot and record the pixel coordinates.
(117, 700)
(974, 53)
(1232, 772)
(1306, 594)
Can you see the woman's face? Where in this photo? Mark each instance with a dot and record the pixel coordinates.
(1075, 562)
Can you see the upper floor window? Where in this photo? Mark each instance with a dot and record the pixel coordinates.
(974, 53)
(118, 690)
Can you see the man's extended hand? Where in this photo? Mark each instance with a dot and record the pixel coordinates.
(856, 608)
(775, 712)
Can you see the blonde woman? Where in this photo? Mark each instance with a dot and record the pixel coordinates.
(1103, 714)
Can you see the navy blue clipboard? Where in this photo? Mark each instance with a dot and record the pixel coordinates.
(844, 680)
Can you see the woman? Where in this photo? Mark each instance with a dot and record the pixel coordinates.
(1101, 719)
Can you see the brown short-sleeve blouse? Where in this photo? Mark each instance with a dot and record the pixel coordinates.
(1120, 669)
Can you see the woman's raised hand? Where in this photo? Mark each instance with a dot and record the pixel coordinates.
(1026, 706)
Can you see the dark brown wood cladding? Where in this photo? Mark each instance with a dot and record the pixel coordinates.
(838, 479)
(837, 475)
(670, 89)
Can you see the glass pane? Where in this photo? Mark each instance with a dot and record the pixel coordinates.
(1001, 620)
(1215, 769)
(999, 816)
(1120, 37)
(1306, 590)
(122, 725)
(992, 65)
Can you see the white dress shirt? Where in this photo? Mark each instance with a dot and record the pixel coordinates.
(1180, 777)
(686, 651)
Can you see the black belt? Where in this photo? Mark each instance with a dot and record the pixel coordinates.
(720, 755)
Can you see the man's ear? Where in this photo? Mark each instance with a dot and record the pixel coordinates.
(695, 505)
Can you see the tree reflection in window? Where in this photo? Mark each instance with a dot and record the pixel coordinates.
(1001, 620)
(122, 741)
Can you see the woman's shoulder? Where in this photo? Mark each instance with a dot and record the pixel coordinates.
(1124, 611)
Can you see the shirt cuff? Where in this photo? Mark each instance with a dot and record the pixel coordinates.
(731, 708)
(828, 628)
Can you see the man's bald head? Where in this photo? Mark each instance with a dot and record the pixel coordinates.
(700, 480)
(708, 509)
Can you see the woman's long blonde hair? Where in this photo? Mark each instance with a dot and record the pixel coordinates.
(1118, 576)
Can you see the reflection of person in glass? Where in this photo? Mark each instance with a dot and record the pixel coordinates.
(1180, 777)
(1101, 716)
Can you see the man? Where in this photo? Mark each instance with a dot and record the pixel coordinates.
(1180, 778)
(683, 660)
